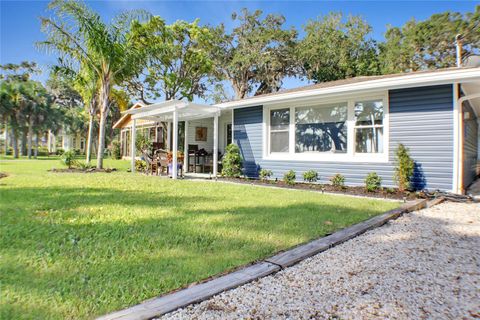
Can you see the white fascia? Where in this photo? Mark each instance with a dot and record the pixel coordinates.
(414, 80)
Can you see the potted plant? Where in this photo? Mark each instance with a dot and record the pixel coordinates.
(180, 158)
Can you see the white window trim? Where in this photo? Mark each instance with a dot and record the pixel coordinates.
(350, 155)
(289, 130)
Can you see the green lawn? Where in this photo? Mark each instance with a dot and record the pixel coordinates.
(80, 245)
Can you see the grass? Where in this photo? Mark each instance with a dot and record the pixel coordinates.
(79, 245)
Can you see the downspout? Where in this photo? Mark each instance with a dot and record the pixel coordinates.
(460, 187)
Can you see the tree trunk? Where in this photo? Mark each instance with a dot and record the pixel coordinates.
(14, 143)
(104, 106)
(90, 131)
(23, 150)
(101, 140)
(6, 136)
(30, 138)
(36, 146)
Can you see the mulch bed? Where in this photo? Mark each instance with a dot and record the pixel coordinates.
(77, 170)
(355, 191)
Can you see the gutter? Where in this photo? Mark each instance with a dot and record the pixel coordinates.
(405, 81)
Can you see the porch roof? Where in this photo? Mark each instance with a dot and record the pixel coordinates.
(163, 111)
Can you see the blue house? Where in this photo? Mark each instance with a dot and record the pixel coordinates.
(350, 126)
(353, 127)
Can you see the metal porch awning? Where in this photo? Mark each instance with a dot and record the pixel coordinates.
(164, 111)
(173, 111)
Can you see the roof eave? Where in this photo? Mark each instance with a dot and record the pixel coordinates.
(423, 79)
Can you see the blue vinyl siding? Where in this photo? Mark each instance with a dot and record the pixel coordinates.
(248, 136)
(420, 118)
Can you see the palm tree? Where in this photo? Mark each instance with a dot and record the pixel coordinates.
(35, 97)
(83, 39)
(87, 84)
(7, 97)
(14, 103)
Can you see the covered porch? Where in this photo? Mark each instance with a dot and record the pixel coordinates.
(198, 131)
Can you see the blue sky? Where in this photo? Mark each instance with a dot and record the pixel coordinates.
(20, 26)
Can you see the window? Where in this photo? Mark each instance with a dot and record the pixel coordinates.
(279, 130)
(229, 134)
(369, 126)
(355, 129)
(127, 143)
(151, 134)
(321, 129)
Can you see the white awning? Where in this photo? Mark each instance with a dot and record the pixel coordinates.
(163, 111)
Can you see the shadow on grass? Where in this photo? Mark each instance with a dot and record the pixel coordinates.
(156, 243)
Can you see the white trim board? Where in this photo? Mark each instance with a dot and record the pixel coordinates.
(350, 155)
(396, 82)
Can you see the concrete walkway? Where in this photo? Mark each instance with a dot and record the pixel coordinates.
(424, 265)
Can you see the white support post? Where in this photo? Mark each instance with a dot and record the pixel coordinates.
(169, 136)
(132, 144)
(185, 149)
(215, 146)
(175, 145)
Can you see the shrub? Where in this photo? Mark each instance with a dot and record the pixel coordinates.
(42, 151)
(83, 165)
(289, 177)
(68, 159)
(59, 152)
(265, 174)
(232, 162)
(115, 150)
(404, 166)
(140, 166)
(310, 176)
(390, 190)
(143, 143)
(338, 181)
(9, 151)
(373, 182)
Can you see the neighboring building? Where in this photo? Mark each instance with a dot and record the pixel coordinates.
(65, 141)
(351, 127)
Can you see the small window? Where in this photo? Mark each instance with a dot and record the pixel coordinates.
(369, 126)
(321, 129)
(279, 130)
(127, 143)
(229, 134)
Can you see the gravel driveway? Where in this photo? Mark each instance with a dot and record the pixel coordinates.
(424, 265)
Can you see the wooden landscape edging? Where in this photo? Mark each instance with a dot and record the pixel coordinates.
(171, 301)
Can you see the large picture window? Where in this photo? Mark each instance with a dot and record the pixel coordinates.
(279, 130)
(355, 129)
(321, 129)
(369, 126)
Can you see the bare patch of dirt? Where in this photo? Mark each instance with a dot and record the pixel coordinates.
(77, 170)
(3, 175)
(385, 193)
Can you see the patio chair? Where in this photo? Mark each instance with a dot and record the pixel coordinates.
(162, 161)
(151, 163)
